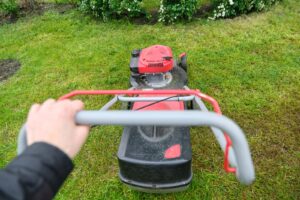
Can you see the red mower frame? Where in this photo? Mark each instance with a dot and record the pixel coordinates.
(196, 93)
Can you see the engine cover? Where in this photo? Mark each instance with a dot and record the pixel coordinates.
(155, 67)
(154, 59)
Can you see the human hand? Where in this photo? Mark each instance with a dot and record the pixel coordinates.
(53, 122)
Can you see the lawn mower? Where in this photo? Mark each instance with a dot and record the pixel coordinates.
(155, 150)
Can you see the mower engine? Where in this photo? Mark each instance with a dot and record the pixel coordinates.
(155, 67)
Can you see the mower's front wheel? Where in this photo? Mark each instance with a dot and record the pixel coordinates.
(183, 62)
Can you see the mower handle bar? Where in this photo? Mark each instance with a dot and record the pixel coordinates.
(245, 170)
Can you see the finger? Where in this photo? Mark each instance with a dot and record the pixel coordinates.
(72, 106)
(32, 113)
(65, 101)
(64, 104)
(77, 105)
(34, 109)
(47, 104)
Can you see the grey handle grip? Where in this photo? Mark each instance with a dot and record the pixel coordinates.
(245, 170)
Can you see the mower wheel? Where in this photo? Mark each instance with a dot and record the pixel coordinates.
(183, 63)
(180, 78)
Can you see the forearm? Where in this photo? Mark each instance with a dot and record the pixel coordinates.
(38, 173)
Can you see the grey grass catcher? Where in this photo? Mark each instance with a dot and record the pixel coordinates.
(155, 150)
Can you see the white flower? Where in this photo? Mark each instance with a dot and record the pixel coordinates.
(231, 2)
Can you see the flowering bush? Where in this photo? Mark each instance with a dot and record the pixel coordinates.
(107, 9)
(231, 8)
(173, 10)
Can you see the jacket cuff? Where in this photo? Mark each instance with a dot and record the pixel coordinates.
(46, 160)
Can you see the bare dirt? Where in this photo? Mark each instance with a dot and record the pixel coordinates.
(204, 10)
(39, 9)
(8, 68)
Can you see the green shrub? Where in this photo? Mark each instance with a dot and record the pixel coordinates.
(174, 10)
(231, 8)
(9, 7)
(107, 9)
(171, 11)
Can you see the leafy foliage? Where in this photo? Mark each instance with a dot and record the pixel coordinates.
(107, 9)
(9, 7)
(171, 11)
(174, 10)
(231, 8)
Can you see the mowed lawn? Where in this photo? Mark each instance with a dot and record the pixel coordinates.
(250, 64)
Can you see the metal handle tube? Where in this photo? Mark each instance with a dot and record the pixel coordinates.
(245, 170)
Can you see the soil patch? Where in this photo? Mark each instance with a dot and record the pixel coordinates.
(8, 68)
(150, 19)
(204, 11)
(39, 9)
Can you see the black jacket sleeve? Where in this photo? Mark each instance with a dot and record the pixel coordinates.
(37, 173)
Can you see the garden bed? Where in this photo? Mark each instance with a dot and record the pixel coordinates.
(38, 10)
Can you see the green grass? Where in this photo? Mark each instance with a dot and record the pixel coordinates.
(250, 64)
